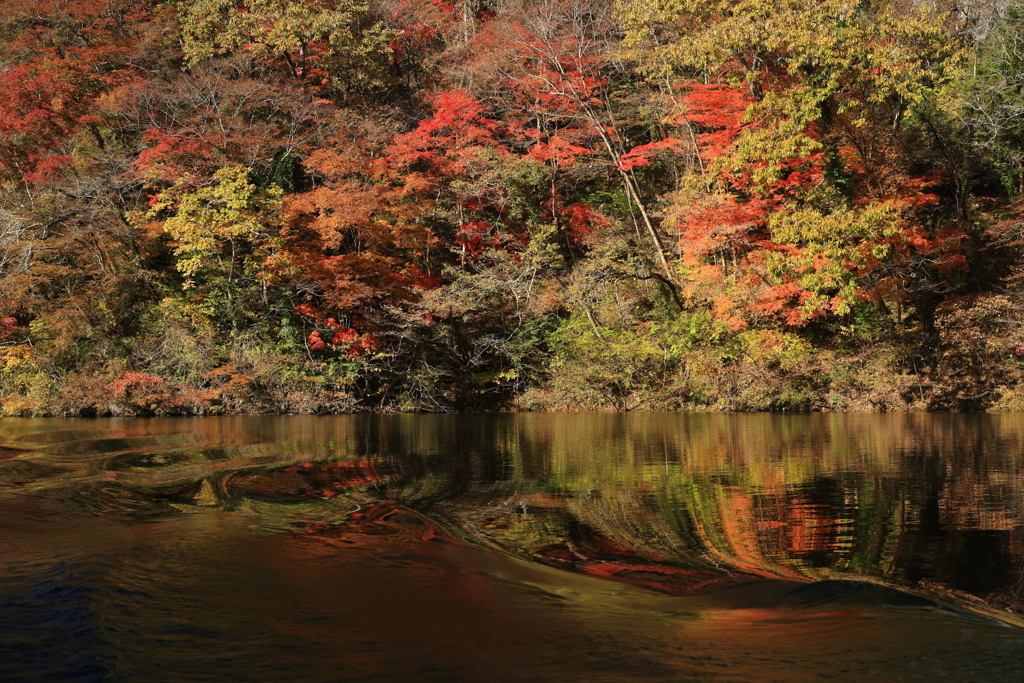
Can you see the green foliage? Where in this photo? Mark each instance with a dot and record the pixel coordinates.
(993, 102)
(837, 245)
(317, 40)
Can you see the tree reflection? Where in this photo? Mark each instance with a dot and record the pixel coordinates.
(677, 503)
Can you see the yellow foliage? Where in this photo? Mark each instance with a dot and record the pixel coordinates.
(229, 209)
(307, 35)
(17, 359)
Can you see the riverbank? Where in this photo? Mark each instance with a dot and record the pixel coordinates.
(779, 376)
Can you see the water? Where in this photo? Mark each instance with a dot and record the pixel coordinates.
(639, 547)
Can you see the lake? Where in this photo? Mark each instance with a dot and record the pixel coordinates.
(513, 547)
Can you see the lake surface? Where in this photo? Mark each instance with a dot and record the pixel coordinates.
(568, 547)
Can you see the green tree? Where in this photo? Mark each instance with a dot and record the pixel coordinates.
(994, 103)
(323, 40)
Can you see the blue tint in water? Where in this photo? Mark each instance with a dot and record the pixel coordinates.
(48, 630)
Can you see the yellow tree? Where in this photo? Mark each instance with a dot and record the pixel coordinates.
(819, 188)
(223, 232)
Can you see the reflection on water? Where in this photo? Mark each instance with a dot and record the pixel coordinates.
(660, 547)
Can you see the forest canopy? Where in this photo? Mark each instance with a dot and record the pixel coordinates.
(224, 206)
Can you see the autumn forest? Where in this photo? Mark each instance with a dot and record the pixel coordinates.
(322, 206)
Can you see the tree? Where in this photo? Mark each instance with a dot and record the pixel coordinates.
(218, 115)
(814, 193)
(351, 240)
(62, 57)
(224, 232)
(993, 106)
(565, 91)
(327, 42)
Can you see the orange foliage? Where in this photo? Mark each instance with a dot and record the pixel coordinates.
(354, 238)
(134, 382)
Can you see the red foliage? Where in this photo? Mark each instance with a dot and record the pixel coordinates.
(641, 154)
(559, 150)
(424, 279)
(477, 236)
(67, 55)
(172, 157)
(7, 326)
(344, 336)
(719, 110)
(447, 7)
(365, 343)
(38, 112)
(584, 222)
(306, 310)
(447, 144)
(723, 221)
(783, 301)
(355, 343)
(559, 71)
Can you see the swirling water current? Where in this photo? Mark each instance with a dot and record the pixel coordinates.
(532, 547)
